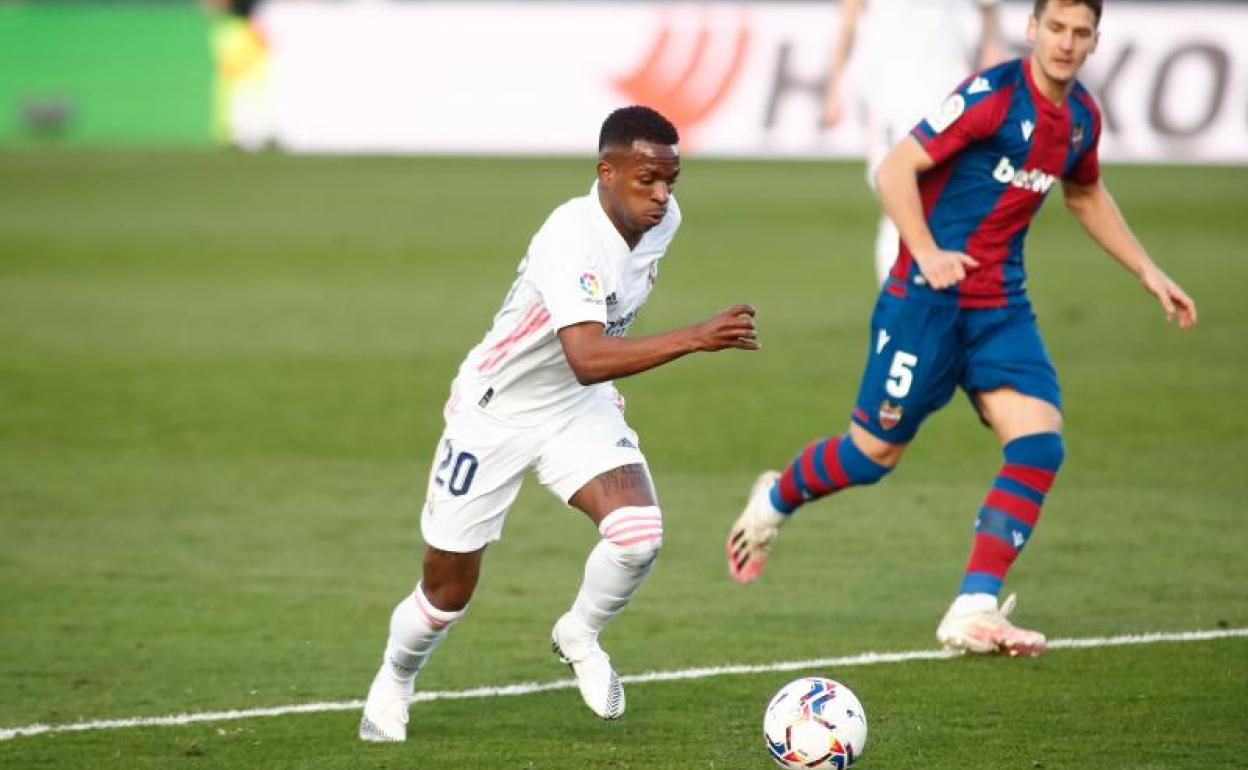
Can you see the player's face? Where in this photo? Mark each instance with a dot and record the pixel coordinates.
(636, 185)
(1062, 38)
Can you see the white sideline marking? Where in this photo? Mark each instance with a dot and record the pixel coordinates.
(526, 688)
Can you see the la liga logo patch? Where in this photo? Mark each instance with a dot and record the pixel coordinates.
(950, 110)
(591, 286)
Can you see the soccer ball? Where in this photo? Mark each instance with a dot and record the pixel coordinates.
(814, 722)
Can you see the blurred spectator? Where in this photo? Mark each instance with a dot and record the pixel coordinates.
(243, 94)
(915, 52)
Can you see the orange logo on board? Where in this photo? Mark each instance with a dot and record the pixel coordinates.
(686, 83)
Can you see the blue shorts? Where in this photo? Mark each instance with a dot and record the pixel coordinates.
(920, 352)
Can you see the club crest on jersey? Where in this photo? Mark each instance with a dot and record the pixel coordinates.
(653, 273)
(591, 286)
(1076, 136)
(949, 110)
(890, 414)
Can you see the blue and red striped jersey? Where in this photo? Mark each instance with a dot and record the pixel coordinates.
(999, 145)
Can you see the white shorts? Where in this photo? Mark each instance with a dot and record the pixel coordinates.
(479, 465)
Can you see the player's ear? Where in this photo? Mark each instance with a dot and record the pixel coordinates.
(606, 172)
(1032, 25)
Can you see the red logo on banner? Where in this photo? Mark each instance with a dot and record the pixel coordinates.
(687, 84)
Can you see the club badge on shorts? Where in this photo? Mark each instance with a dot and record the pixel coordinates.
(890, 414)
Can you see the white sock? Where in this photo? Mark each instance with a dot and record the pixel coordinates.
(887, 240)
(767, 512)
(965, 603)
(416, 628)
(631, 538)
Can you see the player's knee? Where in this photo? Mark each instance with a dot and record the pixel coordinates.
(449, 579)
(862, 468)
(435, 616)
(1037, 450)
(862, 444)
(633, 534)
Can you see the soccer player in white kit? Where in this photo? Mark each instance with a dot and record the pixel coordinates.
(914, 50)
(536, 393)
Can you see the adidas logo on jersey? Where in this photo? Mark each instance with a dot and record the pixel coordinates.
(1024, 179)
(979, 85)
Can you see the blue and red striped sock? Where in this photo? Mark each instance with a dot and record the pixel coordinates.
(1010, 511)
(825, 466)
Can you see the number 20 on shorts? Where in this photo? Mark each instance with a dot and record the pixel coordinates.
(462, 468)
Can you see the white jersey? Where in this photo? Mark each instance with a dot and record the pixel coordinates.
(917, 52)
(578, 268)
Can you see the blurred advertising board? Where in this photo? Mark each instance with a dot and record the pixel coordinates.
(106, 73)
(739, 78)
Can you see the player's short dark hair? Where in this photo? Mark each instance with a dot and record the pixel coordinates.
(1096, 5)
(630, 124)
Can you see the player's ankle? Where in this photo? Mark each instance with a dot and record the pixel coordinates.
(973, 602)
(574, 637)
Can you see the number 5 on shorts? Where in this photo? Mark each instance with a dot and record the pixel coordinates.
(900, 376)
(463, 468)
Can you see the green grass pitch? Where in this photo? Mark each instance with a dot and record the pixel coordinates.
(221, 380)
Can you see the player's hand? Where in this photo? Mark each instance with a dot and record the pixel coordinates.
(833, 108)
(1173, 299)
(731, 328)
(943, 269)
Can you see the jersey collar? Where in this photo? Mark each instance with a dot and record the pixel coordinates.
(1039, 98)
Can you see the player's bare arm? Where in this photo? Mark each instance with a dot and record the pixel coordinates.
(897, 180)
(846, 30)
(992, 50)
(595, 357)
(1099, 215)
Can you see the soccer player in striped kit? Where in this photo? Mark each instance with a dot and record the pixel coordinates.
(963, 189)
(536, 393)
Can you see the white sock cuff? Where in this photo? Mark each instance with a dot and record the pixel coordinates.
(436, 618)
(977, 602)
(631, 525)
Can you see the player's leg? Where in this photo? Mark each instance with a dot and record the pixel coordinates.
(619, 499)
(1028, 424)
(475, 477)
(909, 374)
(418, 624)
(825, 466)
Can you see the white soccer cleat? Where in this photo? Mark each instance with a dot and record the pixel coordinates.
(751, 537)
(385, 711)
(983, 629)
(600, 686)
